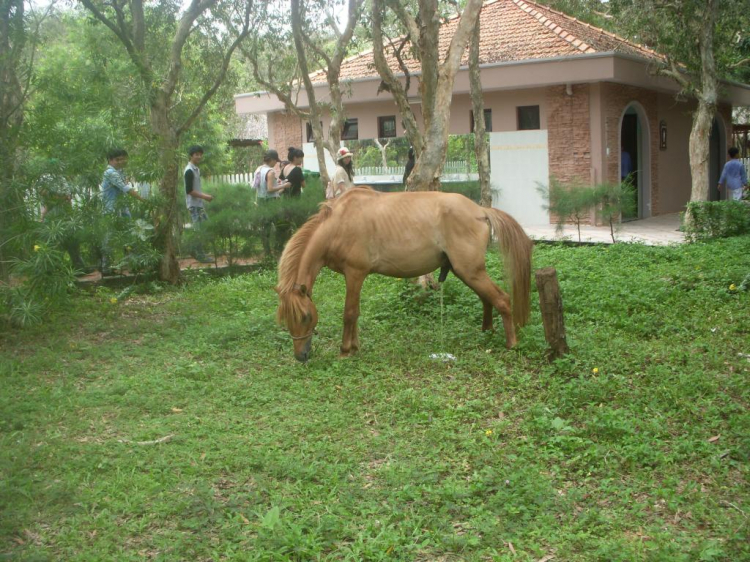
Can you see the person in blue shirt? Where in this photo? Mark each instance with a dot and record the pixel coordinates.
(114, 189)
(114, 186)
(734, 176)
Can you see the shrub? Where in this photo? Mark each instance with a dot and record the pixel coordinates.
(614, 200)
(716, 219)
(572, 202)
(236, 223)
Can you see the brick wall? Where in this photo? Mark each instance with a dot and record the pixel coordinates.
(616, 97)
(568, 135)
(285, 130)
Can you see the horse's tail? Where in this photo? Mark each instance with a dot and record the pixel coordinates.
(516, 248)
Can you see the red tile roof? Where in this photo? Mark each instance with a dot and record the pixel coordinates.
(510, 30)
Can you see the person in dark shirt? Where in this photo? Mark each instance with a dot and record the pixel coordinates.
(194, 199)
(292, 173)
(409, 165)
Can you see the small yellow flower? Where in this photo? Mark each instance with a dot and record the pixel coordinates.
(113, 300)
(595, 370)
(732, 287)
(37, 247)
(488, 432)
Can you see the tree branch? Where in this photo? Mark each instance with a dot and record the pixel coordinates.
(185, 27)
(222, 71)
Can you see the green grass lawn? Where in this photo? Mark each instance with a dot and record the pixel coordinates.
(389, 455)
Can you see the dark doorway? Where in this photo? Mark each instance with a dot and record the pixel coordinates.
(629, 157)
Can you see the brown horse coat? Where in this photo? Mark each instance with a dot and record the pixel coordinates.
(403, 234)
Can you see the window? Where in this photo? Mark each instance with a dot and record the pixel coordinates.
(351, 130)
(528, 117)
(487, 120)
(387, 127)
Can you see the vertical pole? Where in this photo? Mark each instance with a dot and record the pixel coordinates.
(550, 304)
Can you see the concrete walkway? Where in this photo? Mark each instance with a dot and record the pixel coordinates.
(654, 231)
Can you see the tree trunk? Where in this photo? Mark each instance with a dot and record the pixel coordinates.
(167, 221)
(480, 137)
(703, 119)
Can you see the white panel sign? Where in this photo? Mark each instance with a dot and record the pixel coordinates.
(520, 163)
(311, 159)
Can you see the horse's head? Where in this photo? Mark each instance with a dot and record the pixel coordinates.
(298, 312)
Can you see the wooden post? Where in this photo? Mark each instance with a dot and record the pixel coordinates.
(552, 311)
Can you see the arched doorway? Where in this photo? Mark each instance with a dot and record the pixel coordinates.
(717, 149)
(635, 158)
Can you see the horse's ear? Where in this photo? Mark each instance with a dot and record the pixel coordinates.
(303, 290)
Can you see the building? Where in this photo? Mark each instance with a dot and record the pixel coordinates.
(562, 98)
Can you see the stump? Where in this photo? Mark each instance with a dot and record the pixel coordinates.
(550, 303)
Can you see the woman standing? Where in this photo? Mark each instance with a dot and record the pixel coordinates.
(343, 179)
(292, 173)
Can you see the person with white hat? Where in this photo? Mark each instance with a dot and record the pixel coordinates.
(343, 178)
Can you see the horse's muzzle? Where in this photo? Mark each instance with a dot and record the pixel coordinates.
(304, 355)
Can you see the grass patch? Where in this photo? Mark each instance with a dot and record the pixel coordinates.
(389, 455)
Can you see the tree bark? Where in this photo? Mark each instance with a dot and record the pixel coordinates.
(436, 85)
(700, 133)
(480, 133)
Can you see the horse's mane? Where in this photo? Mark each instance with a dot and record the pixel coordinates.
(290, 309)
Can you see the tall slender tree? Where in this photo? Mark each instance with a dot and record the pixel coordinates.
(19, 36)
(480, 128)
(314, 46)
(174, 103)
(436, 78)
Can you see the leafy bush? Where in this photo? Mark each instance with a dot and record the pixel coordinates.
(571, 202)
(716, 219)
(614, 200)
(470, 189)
(574, 202)
(236, 223)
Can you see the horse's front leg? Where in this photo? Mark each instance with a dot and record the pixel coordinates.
(350, 340)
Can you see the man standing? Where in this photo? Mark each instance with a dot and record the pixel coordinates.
(194, 198)
(114, 188)
(734, 176)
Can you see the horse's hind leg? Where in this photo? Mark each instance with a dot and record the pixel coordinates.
(350, 339)
(491, 296)
(487, 316)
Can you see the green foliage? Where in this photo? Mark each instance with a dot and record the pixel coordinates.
(615, 200)
(470, 189)
(569, 202)
(716, 219)
(576, 201)
(632, 448)
(236, 222)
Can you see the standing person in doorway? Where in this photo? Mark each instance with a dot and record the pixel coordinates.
(734, 176)
(194, 199)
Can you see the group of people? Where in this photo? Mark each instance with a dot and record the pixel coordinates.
(273, 179)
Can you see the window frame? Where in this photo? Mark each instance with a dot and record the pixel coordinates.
(348, 123)
(519, 109)
(381, 121)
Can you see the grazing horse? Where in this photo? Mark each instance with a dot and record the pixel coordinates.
(404, 234)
